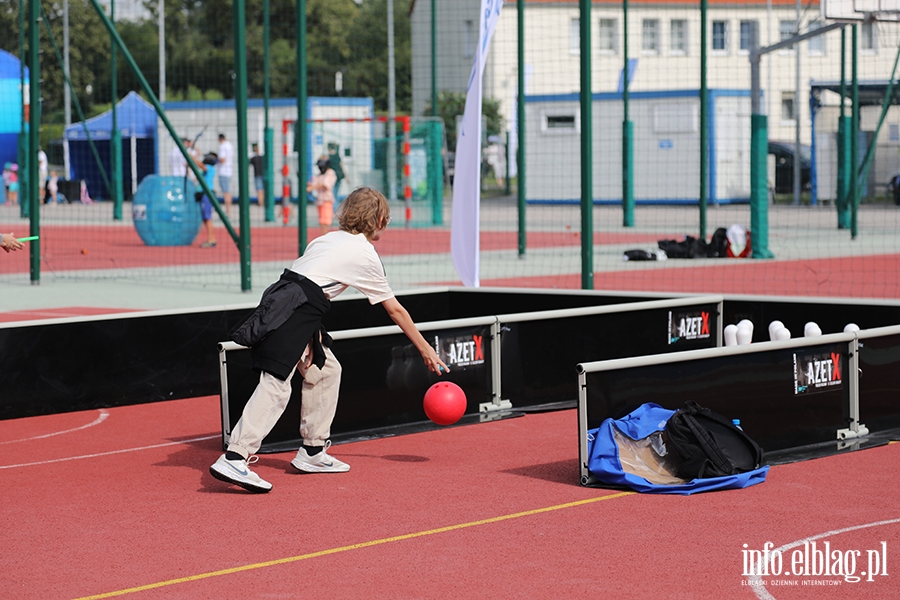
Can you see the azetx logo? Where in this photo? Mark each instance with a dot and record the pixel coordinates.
(693, 325)
(462, 351)
(817, 372)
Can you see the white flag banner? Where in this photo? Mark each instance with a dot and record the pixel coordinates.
(464, 231)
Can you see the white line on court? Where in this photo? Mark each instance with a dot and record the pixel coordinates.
(97, 421)
(756, 580)
(56, 460)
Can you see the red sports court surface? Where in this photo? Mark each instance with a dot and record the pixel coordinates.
(119, 502)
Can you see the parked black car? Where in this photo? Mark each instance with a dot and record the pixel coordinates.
(784, 166)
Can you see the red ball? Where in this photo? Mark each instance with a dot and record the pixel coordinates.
(445, 403)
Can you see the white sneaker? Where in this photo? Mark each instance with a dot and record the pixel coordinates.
(320, 463)
(238, 472)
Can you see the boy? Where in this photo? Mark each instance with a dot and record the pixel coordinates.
(209, 175)
(330, 264)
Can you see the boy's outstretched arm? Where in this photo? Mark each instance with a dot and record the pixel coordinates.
(401, 317)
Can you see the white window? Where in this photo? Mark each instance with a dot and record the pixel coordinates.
(868, 37)
(469, 41)
(560, 122)
(746, 34)
(650, 36)
(678, 37)
(608, 42)
(788, 115)
(575, 36)
(787, 30)
(720, 36)
(816, 45)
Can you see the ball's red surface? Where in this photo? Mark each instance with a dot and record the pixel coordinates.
(445, 403)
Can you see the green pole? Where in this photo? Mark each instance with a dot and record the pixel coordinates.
(587, 180)
(854, 138)
(22, 154)
(704, 125)
(240, 97)
(843, 162)
(300, 130)
(115, 138)
(627, 135)
(520, 127)
(34, 118)
(268, 134)
(759, 143)
(434, 87)
(759, 188)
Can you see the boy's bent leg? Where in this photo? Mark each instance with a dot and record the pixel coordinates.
(260, 415)
(320, 398)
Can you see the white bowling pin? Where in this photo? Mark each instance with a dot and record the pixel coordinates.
(773, 327)
(811, 329)
(730, 335)
(746, 323)
(783, 334)
(744, 335)
(851, 327)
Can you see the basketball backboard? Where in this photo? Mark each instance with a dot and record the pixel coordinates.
(861, 10)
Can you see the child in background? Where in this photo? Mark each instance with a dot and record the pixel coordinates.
(206, 209)
(52, 188)
(322, 185)
(6, 175)
(13, 196)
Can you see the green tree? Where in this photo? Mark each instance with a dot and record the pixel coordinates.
(367, 71)
(453, 104)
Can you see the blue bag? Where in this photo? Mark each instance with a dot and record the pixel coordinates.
(621, 448)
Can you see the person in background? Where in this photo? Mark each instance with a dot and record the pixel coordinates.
(206, 209)
(256, 161)
(334, 157)
(52, 188)
(43, 167)
(9, 242)
(7, 174)
(322, 186)
(225, 170)
(13, 196)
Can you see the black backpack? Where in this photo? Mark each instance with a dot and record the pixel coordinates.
(706, 444)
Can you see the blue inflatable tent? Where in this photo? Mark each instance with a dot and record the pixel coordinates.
(136, 120)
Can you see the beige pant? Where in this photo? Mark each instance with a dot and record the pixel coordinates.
(270, 398)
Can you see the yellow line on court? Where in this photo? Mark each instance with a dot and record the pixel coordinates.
(397, 538)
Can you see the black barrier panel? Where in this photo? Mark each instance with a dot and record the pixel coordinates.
(538, 358)
(762, 389)
(830, 317)
(87, 364)
(97, 363)
(879, 384)
(383, 382)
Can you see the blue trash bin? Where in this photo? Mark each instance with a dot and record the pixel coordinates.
(164, 212)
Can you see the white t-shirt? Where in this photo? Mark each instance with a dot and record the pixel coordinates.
(226, 159)
(177, 163)
(338, 260)
(42, 164)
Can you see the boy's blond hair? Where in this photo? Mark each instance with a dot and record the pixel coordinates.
(362, 211)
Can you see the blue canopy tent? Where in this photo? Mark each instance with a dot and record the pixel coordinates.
(10, 106)
(136, 120)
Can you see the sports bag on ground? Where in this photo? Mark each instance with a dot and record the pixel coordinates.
(709, 445)
(631, 452)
